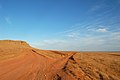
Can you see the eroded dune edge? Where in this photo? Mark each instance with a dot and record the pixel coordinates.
(19, 61)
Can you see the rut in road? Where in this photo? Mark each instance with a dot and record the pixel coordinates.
(33, 65)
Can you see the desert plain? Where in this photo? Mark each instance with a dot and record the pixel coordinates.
(20, 61)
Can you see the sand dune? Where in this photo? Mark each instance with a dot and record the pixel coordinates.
(19, 61)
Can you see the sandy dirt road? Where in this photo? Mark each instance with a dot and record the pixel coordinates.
(32, 66)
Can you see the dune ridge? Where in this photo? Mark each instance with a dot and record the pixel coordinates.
(13, 44)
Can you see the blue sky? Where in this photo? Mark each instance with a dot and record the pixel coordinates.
(82, 25)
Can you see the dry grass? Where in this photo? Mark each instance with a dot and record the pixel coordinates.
(94, 66)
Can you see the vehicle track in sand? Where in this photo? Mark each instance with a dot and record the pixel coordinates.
(32, 66)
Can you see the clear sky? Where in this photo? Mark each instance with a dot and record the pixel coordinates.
(82, 25)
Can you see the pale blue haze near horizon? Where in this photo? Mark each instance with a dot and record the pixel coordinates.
(79, 25)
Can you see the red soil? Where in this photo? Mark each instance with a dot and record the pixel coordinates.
(19, 61)
(31, 64)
